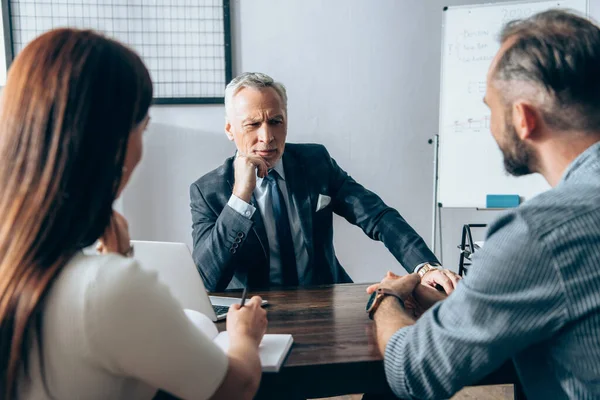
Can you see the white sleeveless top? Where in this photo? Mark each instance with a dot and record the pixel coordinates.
(112, 331)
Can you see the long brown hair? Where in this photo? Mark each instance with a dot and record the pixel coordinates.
(70, 102)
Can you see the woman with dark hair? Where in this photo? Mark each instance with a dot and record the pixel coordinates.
(76, 326)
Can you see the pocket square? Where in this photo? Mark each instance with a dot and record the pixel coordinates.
(323, 202)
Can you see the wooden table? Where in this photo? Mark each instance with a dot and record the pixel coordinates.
(334, 351)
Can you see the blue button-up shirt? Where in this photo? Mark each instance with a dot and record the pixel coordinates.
(532, 295)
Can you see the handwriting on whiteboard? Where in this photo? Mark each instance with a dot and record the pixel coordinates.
(516, 13)
(477, 45)
(472, 125)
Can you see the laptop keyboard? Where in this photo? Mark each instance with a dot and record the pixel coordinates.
(220, 310)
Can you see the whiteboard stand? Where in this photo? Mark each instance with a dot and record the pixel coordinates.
(435, 141)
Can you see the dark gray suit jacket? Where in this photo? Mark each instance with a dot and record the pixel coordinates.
(227, 245)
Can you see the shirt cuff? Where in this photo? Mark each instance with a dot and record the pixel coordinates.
(241, 207)
(418, 267)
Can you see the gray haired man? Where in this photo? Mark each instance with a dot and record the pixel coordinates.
(266, 214)
(533, 292)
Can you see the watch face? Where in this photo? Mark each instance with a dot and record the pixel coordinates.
(371, 300)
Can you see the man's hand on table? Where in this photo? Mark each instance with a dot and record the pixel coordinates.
(443, 277)
(391, 315)
(418, 299)
(424, 296)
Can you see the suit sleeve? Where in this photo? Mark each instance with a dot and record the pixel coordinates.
(365, 209)
(217, 238)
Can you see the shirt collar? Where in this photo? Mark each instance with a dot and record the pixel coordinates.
(590, 155)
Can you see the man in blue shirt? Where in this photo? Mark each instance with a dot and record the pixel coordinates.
(533, 292)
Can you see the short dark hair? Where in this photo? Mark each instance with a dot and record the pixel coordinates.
(558, 52)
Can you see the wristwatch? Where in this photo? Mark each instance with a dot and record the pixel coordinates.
(377, 297)
(425, 269)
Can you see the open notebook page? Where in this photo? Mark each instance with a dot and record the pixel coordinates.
(272, 351)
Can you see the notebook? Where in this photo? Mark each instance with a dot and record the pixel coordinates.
(272, 350)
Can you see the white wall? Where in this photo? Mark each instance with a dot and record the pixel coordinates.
(182, 143)
(362, 78)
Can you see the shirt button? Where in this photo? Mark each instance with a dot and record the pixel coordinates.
(247, 213)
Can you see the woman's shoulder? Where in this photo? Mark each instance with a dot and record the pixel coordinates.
(109, 266)
(113, 289)
(107, 275)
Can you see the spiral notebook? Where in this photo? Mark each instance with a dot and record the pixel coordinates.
(272, 351)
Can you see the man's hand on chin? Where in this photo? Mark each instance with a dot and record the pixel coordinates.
(246, 167)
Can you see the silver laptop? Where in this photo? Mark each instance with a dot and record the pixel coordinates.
(176, 269)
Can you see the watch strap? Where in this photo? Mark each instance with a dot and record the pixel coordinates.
(381, 293)
(425, 269)
(388, 292)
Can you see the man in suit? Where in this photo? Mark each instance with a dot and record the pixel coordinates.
(266, 213)
(531, 296)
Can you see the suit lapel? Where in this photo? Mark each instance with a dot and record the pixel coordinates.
(298, 188)
(258, 227)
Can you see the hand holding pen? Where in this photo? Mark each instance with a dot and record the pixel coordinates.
(247, 321)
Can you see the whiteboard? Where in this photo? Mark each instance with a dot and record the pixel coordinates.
(470, 163)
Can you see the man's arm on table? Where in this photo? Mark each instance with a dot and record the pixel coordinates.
(365, 209)
(214, 236)
(511, 299)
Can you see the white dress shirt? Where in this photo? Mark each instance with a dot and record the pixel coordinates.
(263, 199)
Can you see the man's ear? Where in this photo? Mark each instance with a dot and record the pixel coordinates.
(526, 119)
(228, 130)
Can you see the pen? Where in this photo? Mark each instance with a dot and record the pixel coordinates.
(245, 292)
(244, 296)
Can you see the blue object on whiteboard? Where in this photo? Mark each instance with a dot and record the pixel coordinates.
(502, 200)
